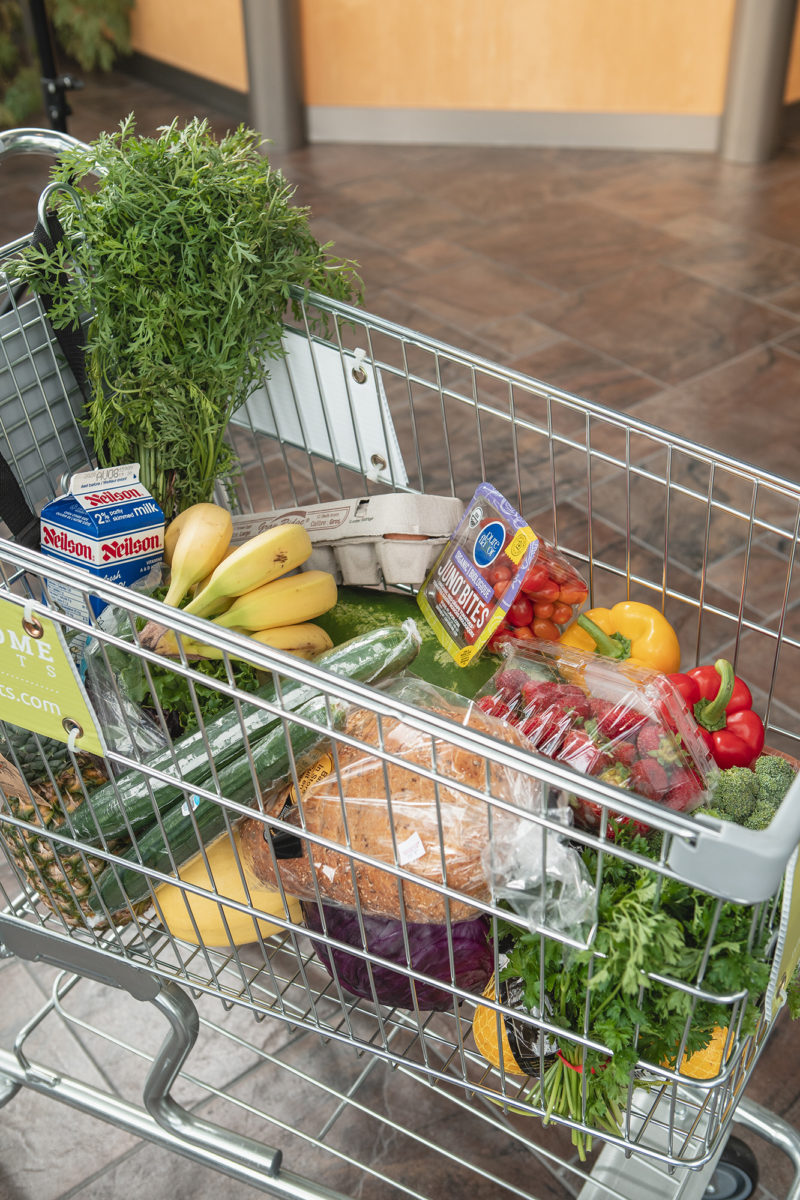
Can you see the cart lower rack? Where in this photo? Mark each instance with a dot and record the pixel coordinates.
(358, 1066)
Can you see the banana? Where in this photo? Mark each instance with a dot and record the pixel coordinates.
(171, 535)
(257, 562)
(199, 586)
(305, 640)
(285, 601)
(203, 537)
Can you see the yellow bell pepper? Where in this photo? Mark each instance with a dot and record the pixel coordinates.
(630, 632)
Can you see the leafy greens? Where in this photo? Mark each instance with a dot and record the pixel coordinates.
(652, 934)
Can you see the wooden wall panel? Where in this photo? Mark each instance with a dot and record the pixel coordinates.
(614, 56)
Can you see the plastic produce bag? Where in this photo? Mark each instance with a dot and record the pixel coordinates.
(388, 807)
(625, 724)
(116, 683)
(540, 876)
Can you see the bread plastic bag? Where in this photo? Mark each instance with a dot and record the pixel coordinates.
(398, 801)
(623, 723)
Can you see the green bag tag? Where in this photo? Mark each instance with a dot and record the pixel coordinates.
(40, 688)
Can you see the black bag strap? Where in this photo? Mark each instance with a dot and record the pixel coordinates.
(14, 509)
(71, 341)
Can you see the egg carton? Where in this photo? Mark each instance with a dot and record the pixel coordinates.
(374, 540)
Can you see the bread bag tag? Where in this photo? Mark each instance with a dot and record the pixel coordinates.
(285, 844)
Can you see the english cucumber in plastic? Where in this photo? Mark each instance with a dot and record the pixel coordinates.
(361, 610)
(134, 798)
(195, 822)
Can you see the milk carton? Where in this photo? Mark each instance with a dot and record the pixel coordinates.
(107, 523)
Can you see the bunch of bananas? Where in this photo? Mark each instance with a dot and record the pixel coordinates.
(254, 588)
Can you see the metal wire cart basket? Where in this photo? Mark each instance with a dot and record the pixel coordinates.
(641, 514)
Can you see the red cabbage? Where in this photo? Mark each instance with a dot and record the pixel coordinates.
(429, 954)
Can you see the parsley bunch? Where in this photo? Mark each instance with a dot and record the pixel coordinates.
(646, 927)
(184, 253)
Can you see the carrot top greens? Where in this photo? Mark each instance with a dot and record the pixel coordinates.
(183, 253)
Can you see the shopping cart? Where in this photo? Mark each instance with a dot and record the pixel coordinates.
(640, 513)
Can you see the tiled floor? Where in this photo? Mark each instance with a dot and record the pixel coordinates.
(666, 285)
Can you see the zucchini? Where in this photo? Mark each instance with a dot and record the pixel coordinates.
(368, 658)
(187, 826)
(360, 610)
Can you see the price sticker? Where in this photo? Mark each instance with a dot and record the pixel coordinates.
(40, 688)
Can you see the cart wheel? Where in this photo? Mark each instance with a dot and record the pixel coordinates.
(736, 1175)
(8, 1089)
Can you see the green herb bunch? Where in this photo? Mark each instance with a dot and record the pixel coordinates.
(652, 934)
(182, 254)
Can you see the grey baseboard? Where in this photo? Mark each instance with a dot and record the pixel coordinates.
(183, 83)
(632, 131)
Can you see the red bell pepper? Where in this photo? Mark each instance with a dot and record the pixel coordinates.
(722, 705)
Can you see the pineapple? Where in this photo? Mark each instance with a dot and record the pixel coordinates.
(61, 876)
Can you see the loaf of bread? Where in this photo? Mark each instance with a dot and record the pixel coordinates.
(415, 816)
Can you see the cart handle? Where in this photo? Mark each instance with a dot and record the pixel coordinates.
(37, 141)
(724, 858)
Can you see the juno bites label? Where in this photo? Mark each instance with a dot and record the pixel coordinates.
(110, 525)
(459, 597)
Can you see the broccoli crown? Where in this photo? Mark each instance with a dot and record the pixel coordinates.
(761, 816)
(735, 793)
(773, 776)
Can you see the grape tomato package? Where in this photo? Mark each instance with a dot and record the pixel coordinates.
(470, 594)
(624, 724)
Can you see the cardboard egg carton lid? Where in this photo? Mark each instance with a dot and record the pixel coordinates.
(391, 539)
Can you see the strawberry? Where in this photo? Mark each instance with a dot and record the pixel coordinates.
(546, 729)
(576, 700)
(648, 739)
(538, 694)
(494, 705)
(626, 753)
(617, 720)
(579, 751)
(684, 789)
(649, 778)
(598, 708)
(510, 681)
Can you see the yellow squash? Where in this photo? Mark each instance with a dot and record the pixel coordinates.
(237, 928)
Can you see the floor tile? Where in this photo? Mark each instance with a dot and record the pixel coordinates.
(676, 185)
(463, 294)
(375, 262)
(401, 224)
(663, 322)
(743, 409)
(574, 367)
(729, 258)
(567, 245)
(45, 1148)
(769, 211)
(788, 298)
